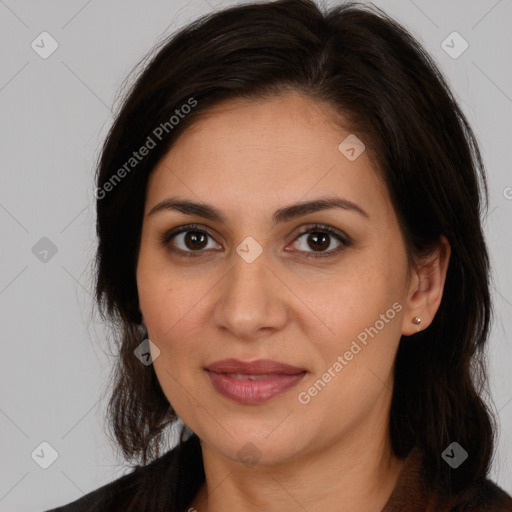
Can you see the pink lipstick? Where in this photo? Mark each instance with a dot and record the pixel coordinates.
(253, 382)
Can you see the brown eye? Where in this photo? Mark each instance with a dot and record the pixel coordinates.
(195, 239)
(318, 242)
(319, 239)
(188, 240)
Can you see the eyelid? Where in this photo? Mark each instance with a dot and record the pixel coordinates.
(313, 227)
(180, 229)
(343, 238)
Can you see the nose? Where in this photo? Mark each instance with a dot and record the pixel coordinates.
(252, 299)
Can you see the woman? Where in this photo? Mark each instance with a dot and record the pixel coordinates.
(290, 247)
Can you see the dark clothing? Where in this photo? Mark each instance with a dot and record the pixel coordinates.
(138, 491)
(410, 494)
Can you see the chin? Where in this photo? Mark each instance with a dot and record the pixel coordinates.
(256, 446)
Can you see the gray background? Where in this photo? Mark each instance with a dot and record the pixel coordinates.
(55, 113)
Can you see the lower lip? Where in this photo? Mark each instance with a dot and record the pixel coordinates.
(247, 391)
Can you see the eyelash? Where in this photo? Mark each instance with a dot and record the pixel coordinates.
(316, 228)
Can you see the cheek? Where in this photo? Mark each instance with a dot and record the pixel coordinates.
(154, 296)
(173, 306)
(366, 340)
(163, 296)
(353, 298)
(362, 310)
(354, 365)
(168, 309)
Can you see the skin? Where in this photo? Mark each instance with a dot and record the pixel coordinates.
(248, 159)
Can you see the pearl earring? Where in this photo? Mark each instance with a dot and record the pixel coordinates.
(416, 320)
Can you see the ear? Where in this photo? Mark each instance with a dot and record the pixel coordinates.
(426, 289)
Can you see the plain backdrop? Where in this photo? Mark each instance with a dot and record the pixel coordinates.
(56, 112)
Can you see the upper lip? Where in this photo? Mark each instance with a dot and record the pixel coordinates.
(258, 367)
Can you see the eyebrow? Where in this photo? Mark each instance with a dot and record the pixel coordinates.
(282, 215)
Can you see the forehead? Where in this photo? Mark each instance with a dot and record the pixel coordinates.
(280, 149)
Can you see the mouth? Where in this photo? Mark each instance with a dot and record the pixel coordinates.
(253, 382)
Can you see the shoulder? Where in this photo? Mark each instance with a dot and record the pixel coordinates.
(411, 493)
(117, 495)
(484, 496)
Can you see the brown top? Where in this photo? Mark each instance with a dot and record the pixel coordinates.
(410, 494)
(146, 489)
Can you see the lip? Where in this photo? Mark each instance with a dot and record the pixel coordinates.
(258, 367)
(232, 379)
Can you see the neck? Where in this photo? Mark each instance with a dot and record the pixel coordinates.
(357, 473)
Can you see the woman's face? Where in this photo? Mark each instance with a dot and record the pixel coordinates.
(250, 287)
